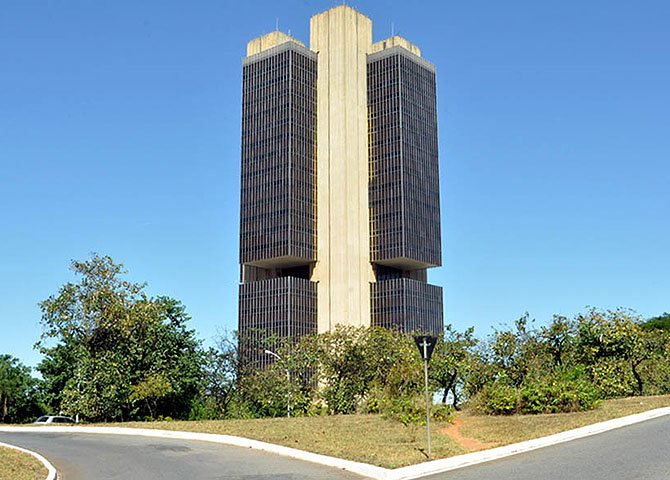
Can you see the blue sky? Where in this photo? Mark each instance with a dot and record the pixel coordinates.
(120, 134)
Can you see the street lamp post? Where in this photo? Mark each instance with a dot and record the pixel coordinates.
(288, 381)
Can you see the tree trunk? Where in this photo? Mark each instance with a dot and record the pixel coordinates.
(637, 376)
(453, 392)
(451, 386)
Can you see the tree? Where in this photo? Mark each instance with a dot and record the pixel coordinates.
(517, 353)
(119, 354)
(612, 339)
(450, 362)
(18, 393)
(222, 367)
(661, 322)
(557, 338)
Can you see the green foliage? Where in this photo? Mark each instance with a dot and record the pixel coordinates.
(288, 382)
(111, 352)
(344, 368)
(367, 369)
(453, 358)
(557, 339)
(564, 393)
(220, 386)
(558, 396)
(150, 390)
(119, 354)
(411, 410)
(19, 399)
(442, 413)
(407, 410)
(569, 365)
(661, 322)
(497, 398)
(614, 347)
(266, 393)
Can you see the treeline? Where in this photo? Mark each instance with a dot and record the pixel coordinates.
(568, 365)
(113, 353)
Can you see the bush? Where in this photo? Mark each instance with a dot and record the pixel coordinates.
(563, 392)
(557, 397)
(612, 378)
(406, 410)
(497, 398)
(442, 413)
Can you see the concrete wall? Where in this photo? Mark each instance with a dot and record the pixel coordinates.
(267, 41)
(396, 41)
(342, 37)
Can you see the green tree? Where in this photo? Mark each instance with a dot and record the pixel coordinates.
(661, 322)
(517, 353)
(450, 362)
(118, 353)
(220, 389)
(370, 369)
(18, 393)
(558, 339)
(614, 347)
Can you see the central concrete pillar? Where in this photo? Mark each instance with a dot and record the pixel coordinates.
(342, 37)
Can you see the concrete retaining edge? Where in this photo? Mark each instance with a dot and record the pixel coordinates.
(366, 470)
(52, 475)
(460, 461)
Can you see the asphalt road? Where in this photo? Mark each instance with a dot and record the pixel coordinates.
(106, 457)
(637, 452)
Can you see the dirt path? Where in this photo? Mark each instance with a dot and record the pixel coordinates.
(470, 444)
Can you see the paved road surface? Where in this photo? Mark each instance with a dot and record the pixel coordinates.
(636, 452)
(107, 457)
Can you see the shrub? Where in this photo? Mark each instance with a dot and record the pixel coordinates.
(497, 398)
(557, 397)
(406, 410)
(561, 392)
(442, 413)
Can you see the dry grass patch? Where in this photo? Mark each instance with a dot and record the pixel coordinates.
(362, 438)
(387, 443)
(15, 465)
(504, 430)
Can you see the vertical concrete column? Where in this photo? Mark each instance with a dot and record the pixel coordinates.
(342, 37)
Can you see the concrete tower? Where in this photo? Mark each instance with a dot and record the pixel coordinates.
(342, 38)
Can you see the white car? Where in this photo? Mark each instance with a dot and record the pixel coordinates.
(54, 419)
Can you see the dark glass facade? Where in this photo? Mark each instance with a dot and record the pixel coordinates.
(278, 247)
(278, 195)
(407, 305)
(403, 161)
(404, 191)
(277, 216)
(284, 307)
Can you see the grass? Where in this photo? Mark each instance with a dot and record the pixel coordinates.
(387, 443)
(15, 465)
(362, 438)
(516, 428)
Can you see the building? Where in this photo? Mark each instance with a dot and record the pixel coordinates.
(340, 216)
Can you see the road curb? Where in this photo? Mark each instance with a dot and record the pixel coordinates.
(364, 469)
(52, 475)
(469, 459)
